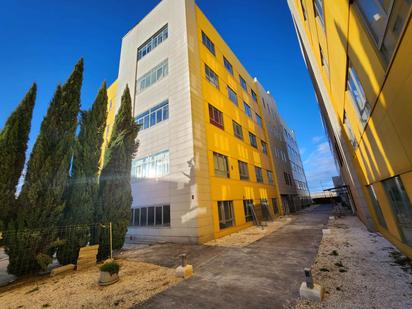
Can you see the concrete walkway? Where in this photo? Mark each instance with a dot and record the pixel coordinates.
(265, 274)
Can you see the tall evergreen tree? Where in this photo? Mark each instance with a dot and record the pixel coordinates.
(40, 203)
(13, 145)
(114, 188)
(82, 195)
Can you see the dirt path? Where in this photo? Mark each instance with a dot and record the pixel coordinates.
(265, 274)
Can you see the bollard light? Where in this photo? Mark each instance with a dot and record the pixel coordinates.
(309, 279)
(183, 258)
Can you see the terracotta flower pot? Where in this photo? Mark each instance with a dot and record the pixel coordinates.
(106, 278)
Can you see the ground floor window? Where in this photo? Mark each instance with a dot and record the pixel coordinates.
(265, 208)
(151, 216)
(225, 209)
(401, 206)
(377, 206)
(275, 206)
(248, 207)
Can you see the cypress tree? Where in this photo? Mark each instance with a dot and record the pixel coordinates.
(82, 195)
(13, 145)
(115, 197)
(40, 203)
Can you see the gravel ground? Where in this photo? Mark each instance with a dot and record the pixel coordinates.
(359, 269)
(79, 289)
(249, 235)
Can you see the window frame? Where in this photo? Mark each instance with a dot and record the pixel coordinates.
(208, 43)
(243, 82)
(211, 76)
(264, 147)
(258, 174)
(235, 133)
(270, 176)
(223, 221)
(219, 122)
(243, 170)
(247, 208)
(248, 110)
(152, 42)
(225, 173)
(137, 215)
(232, 95)
(253, 140)
(319, 12)
(228, 65)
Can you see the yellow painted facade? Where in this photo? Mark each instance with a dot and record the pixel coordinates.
(111, 113)
(383, 146)
(223, 141)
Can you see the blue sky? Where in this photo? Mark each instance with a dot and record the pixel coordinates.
(42, 40)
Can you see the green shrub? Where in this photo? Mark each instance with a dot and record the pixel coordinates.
(111, 267)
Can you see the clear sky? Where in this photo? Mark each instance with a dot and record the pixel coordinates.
(42, 40)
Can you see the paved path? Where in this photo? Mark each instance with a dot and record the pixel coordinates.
(265, 274)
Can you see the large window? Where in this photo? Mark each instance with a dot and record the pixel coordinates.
(154, 75)
(259, 121)
(252, 138)
(211, 76)
(243, 170)
(377, 206)
(158, 38)
(270, 177)
(243, 82)
(385, 20)
(318, 6)
(151, 216)
(259, 176)
(152, 166)
(154, 115)
(216, 117)
(248, 110)
(208, 43)
(358, 95)
(248, 208)
(232, 95)
(401, 206)
(254, 96)
(221, 165)
(237, 130)
(264, 147)
(225, 209)
(228, 65)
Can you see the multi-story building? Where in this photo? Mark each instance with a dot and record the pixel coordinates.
(359, 56)
(291, 179)
(203, 158)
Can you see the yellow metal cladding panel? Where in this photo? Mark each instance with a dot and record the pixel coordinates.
(223, 141)
(111, 114)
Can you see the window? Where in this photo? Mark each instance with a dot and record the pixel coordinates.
(264, 147)
(158, 38)
(259, 121)
(153, 76)
(232, 95)
(243, 170)
(243, 82)
(385, 20)
(221, 165)
(286, 176)
(248, 110)
(401, 206)
(228, 65)
(349, 131)
(270, 177)
(324, 60)
(275, 205)
(208, 43)
(237, 130)
(254, 96)
(211, 76)
(154, 115)
(318, 6)
(225, 209)
(151, 216)
(305, 16)
(252, 138)
(248, 208)
(152, 166)
(358, 95)
(259, 176)
(216, 117)
(377, 206)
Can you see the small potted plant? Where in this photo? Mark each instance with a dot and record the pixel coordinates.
(109, 273)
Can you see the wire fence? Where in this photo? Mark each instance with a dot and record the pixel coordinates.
(34, 251)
